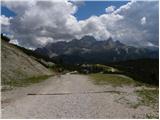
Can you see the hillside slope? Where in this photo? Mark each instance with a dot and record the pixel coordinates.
(16, 65)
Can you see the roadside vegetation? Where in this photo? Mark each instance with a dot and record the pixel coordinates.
(25, 82)
(112, 79)
(143, 70)
(148, 97)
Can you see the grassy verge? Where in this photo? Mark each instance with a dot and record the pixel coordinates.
(151, 116)
(24, 82)
(112, 79)
(148, 97)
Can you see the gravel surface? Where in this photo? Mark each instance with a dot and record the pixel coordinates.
(71, 96)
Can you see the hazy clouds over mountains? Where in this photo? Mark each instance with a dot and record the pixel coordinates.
(38, 22)
(89, 50)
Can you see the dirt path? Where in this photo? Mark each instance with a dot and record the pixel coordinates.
(71, 96)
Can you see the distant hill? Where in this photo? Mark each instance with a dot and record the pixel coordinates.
(89, 50)
(17, 65)
(144, 70)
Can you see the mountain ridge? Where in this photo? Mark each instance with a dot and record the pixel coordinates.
(88, 49)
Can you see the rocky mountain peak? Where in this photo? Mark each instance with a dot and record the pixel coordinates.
(88, 38)
(89, 49)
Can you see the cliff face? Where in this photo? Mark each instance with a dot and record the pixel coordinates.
(16, 65)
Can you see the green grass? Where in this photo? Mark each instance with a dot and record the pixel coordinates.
(112, 79)
(150, 116)
(107, 68)
(26, 82)
(148, 97)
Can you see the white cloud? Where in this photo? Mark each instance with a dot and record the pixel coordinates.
(5, 20)
(40, 22)
(110, 9)
(43, 19)
(42, 40)
(130, 31)
(143, 20)
(14, 41)
(98, 27)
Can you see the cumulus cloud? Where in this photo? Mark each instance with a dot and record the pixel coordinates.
(40, 22)
(42, 19)
(143, 20)
(98, 27)
(131, 31)
(110, 9)
(5, 23)
(5, 20)
(78, 2)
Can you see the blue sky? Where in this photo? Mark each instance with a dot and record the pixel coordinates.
(90, 8)
(8, 13)
(85, 10)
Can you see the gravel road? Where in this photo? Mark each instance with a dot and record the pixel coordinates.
(71, 96)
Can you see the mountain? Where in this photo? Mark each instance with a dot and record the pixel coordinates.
(89, 50)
